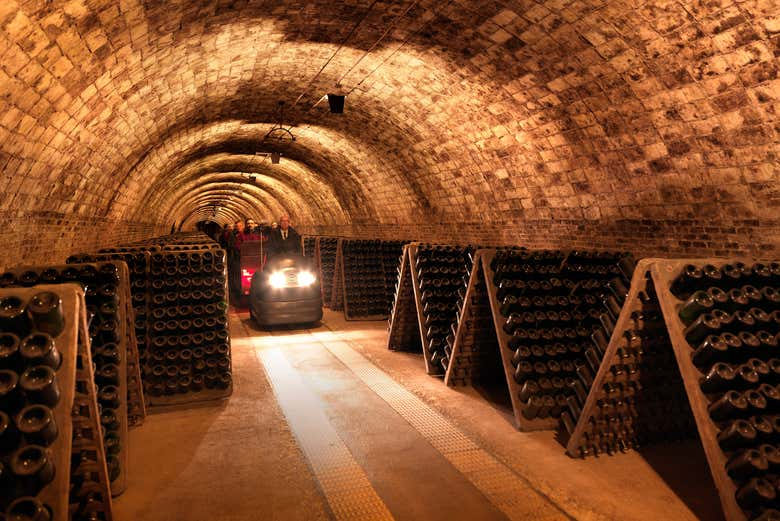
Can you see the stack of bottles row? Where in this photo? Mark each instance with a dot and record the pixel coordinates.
(138, 266)
(47, 389)
(558, 312)
(105, 293)
(731, 320)
(640, 399)
(443, 274)
(403, 329)
(326, 252)
(363, 278)
(189, 356)
(309, 246)
(391, 261)
(476, 356)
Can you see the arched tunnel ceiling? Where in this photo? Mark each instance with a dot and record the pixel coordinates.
(468, 109)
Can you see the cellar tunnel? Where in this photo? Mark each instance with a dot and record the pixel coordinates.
(550, 122)
(478, 139)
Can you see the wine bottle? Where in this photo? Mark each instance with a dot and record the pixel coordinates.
(746, 463)
(738, 433)
(687, 282)
(33, 468)
(720, 377)
(39, 384)
(730, 405)
(13, 317)
(39, 349)
(698, 303)
(45, 309)
(755, 493)
(36, 423)
(28, 508)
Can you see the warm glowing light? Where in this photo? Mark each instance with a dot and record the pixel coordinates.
(277, 280)
(306, 278)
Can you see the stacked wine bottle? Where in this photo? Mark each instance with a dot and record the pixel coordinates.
(327, 260)
(364, 279)
(478, 358)
(442, 275)
(29, 396)
(391, 261)
(309, 246)
(138, 265)
(101, 285)
(731, 316)
(559, 313)
(404, 329)
(641, 398)
(190, 345)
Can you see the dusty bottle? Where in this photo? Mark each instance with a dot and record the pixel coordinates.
(39, 384)
(39, 349)
(45, 310)
(746, 463)
(33, 468)
(36, 423)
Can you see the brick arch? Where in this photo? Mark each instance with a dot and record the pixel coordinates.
(591, 122)
(264, 205)
(247, 205)
(315, 200)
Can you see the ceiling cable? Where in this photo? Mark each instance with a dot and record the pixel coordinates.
(349, 35)
(376, 43)
(387, 58)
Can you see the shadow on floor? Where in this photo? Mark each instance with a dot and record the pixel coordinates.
(683, 466)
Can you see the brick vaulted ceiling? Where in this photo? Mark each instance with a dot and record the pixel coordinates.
(133, 114)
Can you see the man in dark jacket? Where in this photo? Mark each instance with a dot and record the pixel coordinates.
(284, 240)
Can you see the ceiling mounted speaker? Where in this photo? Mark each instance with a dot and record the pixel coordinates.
(275, 158)
(336, 102)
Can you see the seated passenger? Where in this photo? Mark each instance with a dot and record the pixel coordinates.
(284, 240)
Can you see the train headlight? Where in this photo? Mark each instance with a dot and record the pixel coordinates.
(277, 280)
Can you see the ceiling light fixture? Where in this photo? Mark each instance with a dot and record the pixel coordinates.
(336, 103)
(278, 130)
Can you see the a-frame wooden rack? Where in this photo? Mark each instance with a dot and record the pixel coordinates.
(649, 338)
(476, 334)
(404, 333)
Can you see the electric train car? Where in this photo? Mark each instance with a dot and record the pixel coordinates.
(287, 291)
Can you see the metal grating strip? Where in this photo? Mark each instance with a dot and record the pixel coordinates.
(509, 492)
(344, 483)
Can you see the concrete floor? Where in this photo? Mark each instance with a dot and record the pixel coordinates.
(328, 424)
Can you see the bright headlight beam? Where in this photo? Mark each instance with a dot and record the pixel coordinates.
(277, 280)
(305, 278)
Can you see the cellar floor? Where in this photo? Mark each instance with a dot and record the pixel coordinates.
(327, 423)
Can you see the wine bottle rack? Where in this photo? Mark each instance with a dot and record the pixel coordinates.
(190, 357)
(472, 347)
(391, 256)
(74, 412)
(336, 302)
(326, 253)
(570, 302)
(137, 264)
(637, 397)
(309, 246)
(681, 347)
(107, 299)
(404, 332)
(747, 325)
(438, 272)
(362, 277)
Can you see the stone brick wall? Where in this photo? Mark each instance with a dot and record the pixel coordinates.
(51, 238)
(651, 126)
